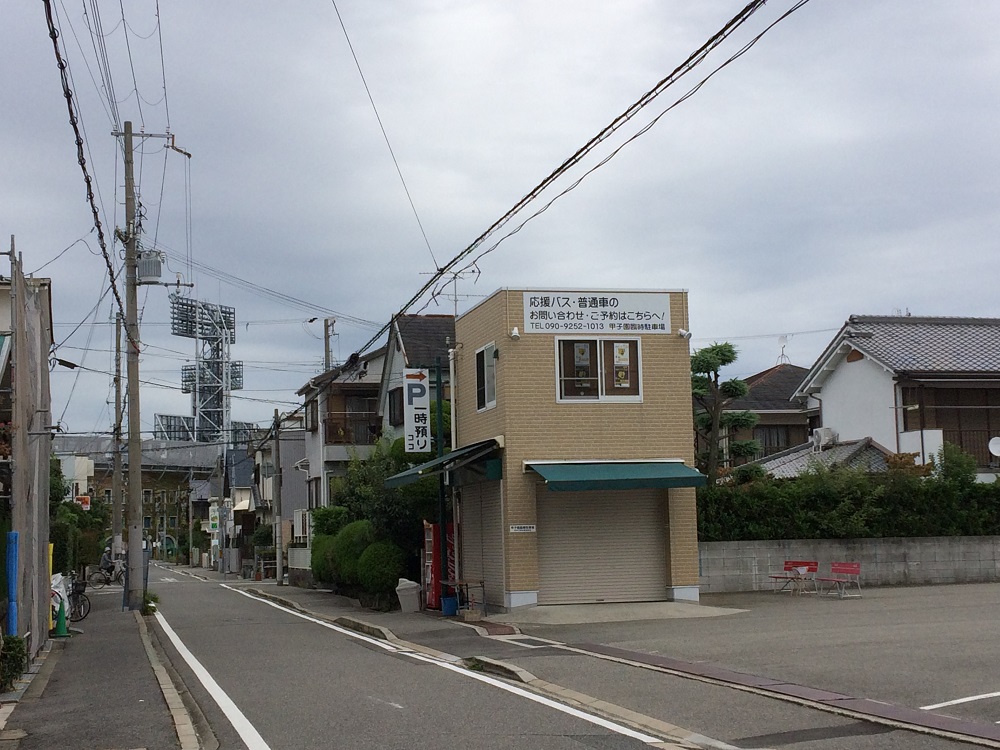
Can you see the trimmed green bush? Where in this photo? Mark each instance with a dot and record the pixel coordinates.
(850, 504)
(330, 520)
(13, 661)
(263, 535)
(380, 567)
(321, 558)
(348, 546)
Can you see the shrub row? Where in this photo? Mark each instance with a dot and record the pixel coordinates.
(352, 559)
(847, 504)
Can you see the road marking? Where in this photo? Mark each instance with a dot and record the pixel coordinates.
(957, 701)
(240, 723)
(597, 720)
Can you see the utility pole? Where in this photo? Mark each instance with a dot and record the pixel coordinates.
(279, 568)
(116, 475)
(328, 324)
(136, 579)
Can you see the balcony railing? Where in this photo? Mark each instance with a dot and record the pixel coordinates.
(355, 428)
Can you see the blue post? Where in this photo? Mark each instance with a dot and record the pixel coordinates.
(12, 582)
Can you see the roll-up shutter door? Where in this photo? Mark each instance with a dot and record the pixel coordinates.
(601, 546)
(482, 539)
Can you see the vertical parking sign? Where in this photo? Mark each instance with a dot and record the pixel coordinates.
(416, 411)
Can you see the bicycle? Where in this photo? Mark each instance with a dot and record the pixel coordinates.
(75, 602)
(79, 603)
(101, 578)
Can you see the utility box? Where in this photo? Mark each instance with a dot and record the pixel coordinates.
(409, 595)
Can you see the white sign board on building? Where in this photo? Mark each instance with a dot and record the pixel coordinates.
(576, 312)
(416, 411)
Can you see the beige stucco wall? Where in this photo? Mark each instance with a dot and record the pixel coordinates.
(535, 427)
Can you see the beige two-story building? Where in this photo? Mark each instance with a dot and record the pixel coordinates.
(572, 479)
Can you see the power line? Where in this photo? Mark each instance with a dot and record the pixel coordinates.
(691, 92)
(385, 135)
(268, 292)
(689, 64)
(81, 160)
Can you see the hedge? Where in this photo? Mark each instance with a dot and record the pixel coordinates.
(848, 504)
(380, 567)
(348, 546)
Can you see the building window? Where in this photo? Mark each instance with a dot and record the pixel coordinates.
(107, 496)
(396, 407)
(172, 523)
(486, 377)
(312, 416)
(147, 497)
(598, 369)
(772, 438)
(313, 489)
(147, 522)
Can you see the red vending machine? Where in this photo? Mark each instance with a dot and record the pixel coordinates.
(432, 568)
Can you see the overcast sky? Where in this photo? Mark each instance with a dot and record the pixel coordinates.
(846, 164)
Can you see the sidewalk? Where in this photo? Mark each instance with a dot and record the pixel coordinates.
(96, 689)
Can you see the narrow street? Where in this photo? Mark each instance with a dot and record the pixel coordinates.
(299, 683)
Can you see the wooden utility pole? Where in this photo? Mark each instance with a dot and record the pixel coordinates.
(116, 472)
(136, 579)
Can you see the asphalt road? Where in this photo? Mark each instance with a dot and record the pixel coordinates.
(299, 684)
(304, 685)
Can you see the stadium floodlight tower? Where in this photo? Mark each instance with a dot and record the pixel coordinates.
(214, 376)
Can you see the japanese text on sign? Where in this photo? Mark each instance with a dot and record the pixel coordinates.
(416, 411)
(597, 312)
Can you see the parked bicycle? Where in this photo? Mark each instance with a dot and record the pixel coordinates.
(101, 578)
(67, 592)
(79, 603)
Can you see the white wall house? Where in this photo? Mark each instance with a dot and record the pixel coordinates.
(912, 384)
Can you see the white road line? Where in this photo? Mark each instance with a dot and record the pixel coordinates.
(352, 633)
(240, 723)
(619, 728)
(597, 720)
(957, 701)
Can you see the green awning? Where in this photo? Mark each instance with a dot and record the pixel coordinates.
(448, 462)
(575, 476)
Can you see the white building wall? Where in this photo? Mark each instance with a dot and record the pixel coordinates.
(858, 401)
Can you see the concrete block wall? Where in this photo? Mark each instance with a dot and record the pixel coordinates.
(745, 566)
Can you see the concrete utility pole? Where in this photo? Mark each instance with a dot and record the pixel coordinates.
(136, 579)
(328, 324)
(279, 567)
(116, 472)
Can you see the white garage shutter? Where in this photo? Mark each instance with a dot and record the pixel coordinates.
(601, 546)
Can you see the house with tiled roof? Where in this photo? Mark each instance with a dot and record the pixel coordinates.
(340, 408)
(415, 342)
(911, 384)
(863, 455)
(782, 422)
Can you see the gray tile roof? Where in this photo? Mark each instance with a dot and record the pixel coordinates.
(863, 454)
(917, 344)
(424, 338)
(771, 390)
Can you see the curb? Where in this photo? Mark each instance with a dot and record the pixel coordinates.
(183, 725)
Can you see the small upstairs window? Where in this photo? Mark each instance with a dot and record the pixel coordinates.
(486, 377)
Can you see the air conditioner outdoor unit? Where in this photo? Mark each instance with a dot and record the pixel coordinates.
(823, 436)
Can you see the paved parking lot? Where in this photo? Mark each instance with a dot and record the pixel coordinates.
(913, 646)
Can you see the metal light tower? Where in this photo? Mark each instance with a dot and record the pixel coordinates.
(214, 375)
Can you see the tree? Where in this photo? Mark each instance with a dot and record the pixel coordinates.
(713, 395)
